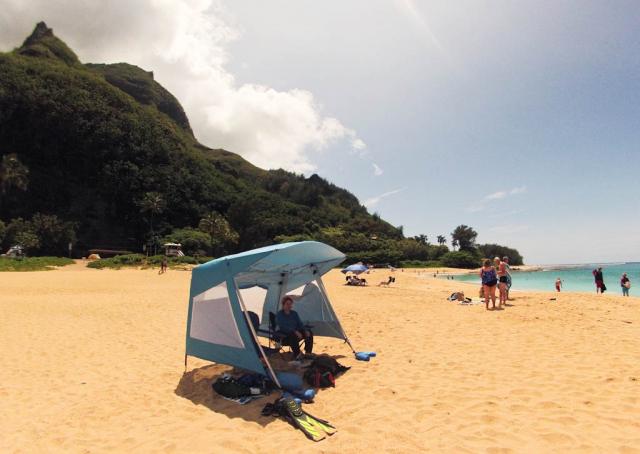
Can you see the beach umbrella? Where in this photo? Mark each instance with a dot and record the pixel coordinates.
(357, 269)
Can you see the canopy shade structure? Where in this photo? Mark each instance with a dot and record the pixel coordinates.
(356, 269)
(224, 290)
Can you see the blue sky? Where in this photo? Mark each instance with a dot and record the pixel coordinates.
(520, 119)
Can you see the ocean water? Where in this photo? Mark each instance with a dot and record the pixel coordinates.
(576, 278)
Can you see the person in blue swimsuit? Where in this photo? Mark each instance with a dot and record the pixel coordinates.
(489, 279)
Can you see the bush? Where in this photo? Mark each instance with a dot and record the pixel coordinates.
(32, 263)
(156, 260)
(192, 240)
(43, 234)
(380, 256)
(29, 241)
(119, 261)
(495, 250)
(139, 260)
(460, 259)
(420, 264)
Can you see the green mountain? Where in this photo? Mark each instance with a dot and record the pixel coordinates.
(108, 151)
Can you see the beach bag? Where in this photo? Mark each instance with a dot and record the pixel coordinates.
(319, 379)
(230, 387)
(328, 364)
(627, 284)
(323, 370)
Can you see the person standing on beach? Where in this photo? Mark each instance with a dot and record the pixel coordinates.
(489, 282)
(558, 284)
(501, 267)
(505, 259)
(625, 283)
(163, 265)
(599, 279)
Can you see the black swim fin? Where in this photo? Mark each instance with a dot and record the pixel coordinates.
(314, 428)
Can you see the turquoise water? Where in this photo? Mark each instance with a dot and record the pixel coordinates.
(576, 278)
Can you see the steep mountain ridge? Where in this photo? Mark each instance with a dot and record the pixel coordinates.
(97, 140)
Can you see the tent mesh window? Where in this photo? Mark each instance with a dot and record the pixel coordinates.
(212, 318)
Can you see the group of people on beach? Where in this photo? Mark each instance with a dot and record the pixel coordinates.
(598, 277)
(492, 275)
(625, 282)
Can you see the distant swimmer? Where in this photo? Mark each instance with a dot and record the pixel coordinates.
(558, 284)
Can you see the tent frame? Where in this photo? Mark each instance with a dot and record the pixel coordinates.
(290, 273)
(262, 354)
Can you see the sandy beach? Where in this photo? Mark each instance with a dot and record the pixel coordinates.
(93, 362)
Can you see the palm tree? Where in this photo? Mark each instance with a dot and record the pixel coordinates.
(13, 173)
(422, 239)
(465, 237)
(441, 240)
(153, 204)
(219, 230)
(454, 244)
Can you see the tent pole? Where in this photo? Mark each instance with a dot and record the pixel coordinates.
(326, 297)
(185, 363)
(255, 336)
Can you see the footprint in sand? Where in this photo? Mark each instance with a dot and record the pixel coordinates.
(384, 392)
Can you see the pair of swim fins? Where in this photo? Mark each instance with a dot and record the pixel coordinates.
(315, 429)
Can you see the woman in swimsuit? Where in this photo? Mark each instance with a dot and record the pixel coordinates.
(489, 282)
(502, 280)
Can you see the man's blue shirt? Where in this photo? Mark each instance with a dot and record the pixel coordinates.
(289, 323)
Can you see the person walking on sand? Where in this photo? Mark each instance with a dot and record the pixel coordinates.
(558, 284)
(501, 268)
(599, 280)
(489, 281)
(163, 265)
(625, 283)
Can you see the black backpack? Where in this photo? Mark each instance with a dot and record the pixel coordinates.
(322, 372)
(230, 387)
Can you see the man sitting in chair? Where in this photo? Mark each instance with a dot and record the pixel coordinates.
(289, 323)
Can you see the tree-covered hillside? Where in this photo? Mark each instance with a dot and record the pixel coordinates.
(108, 157)
(102, 156)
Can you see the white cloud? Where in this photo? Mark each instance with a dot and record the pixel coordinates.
(185, 44)
(358, 144)
(373, 201)
(498, 195)
(377, 171)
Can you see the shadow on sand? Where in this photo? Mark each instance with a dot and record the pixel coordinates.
(195, 385)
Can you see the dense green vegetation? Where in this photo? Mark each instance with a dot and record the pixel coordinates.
(141, 261)
(470, 255)
(102, 156)
(32, 263)
(495, 250)
(107, 149)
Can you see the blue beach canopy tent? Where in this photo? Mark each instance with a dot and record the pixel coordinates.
(356, 269)
(224, 290)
